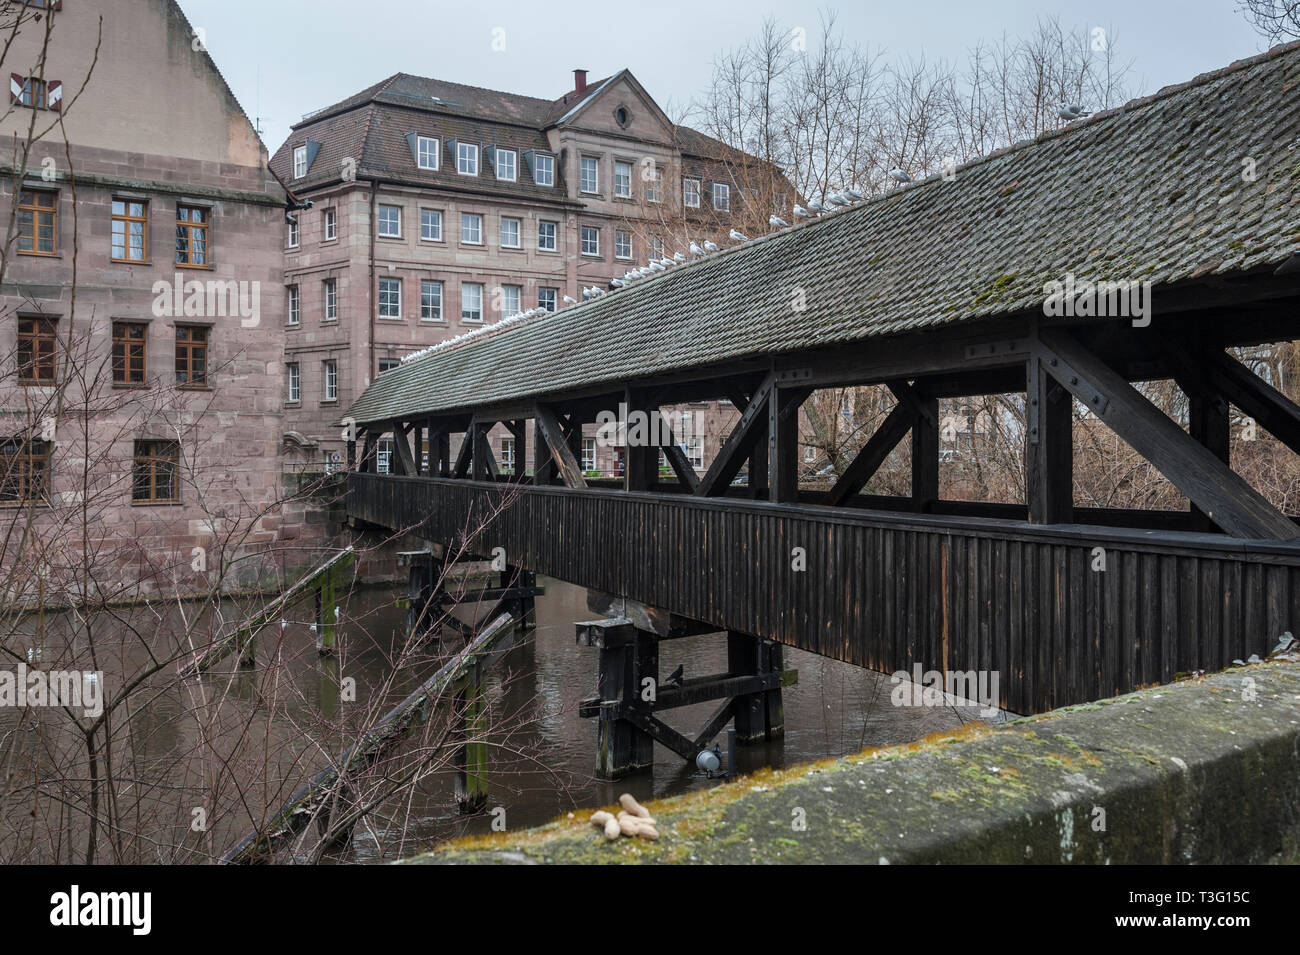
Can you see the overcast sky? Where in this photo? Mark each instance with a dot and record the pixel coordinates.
(310, 53)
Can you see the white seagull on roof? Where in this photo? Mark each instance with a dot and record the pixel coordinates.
(898, 175)
(836, 199)
(667, 262)
(696, 250)
(802, 213)
(738, 236)
(678, 257)
(854, 194)
(617, 283)
(710, 245)
(570, 301)
(776, 222)
(816, 207)
(656, 267)
(1070, 112)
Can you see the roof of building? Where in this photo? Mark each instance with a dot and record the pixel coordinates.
(1150, 191)
(370, 128)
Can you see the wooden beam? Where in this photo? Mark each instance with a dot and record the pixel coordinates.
(1049, 448)
(642, 465)
(464, 454)
(783, 443)
(739, 443)
(1271, 409)
(402, 445)
(925, 454)
(1206, 481)
(519, 431)
(566, 463)
(872, 455)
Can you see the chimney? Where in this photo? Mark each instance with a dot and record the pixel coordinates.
(579, 81)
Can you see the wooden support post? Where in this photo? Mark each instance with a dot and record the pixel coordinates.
(872, 455)
(771, 659)
(1209, 423)
(424, 585)
(783, 443)
(368, 453)
(471, 761)
(440, 451)
(464, 454)
(751, 428)
(642, 466)
(925, 456)
(645, 667)
(327, 613)
(614, 681)
(519, 431)
(543, 462)
(748, 709)
(402, 461)
(1049, 448)
(352, 455)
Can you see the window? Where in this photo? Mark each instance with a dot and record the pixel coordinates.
(590, 240)
(299, 162)
(507, 164)
(37, 93)
(426, 148)
(722, 197)
(430, 301)
(295, 382)
(589, 180)
(430, 225)
(156, 471)
(295, 305)
(390, 222)
(38, 219)
(471, 228)
(656, 247)
(24, 469)
(384, 456)
(691, 193)
(654, 187)
(129, 342)
(695, 453)
(390, 298)
(548, 298)
(511, 230)
(331, 225)
(36, 344)
(589, 454)
(331, 369)
(546, 235)
(130, 230)
(467, 159)
(192, 237)
(331, 290)
(508, 454)
(623, 180)
(512, 299)
(293, 235)
(544, 170)
(471, 302)
(192, 356)
(622, 245)
(388, 364)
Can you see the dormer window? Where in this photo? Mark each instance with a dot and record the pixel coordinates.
(507, 163)
(544, 170)
(427, 152)
(299, 162)
(467, 159)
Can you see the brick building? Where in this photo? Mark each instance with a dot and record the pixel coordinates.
(141, 312)
(438, 208)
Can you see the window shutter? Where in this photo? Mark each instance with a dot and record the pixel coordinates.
(54, 95)
(528, 158)
(312, 149)
(490, 158)
(451, 154)
(16, 84)
(413, 141)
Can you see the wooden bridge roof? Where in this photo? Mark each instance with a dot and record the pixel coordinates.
(1150, 191)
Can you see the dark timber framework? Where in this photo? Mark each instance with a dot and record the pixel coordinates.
(918, 579)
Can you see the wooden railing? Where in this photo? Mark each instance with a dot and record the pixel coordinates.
(1062, 613)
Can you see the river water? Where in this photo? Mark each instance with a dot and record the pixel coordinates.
(239, 742)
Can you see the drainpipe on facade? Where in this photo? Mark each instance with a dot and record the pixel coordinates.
(374, 298)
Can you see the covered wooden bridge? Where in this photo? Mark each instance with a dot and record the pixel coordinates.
(935, 289)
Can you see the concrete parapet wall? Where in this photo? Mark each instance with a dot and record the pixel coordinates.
(1201, 771)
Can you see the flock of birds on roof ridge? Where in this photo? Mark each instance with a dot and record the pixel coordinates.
(841, 198)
